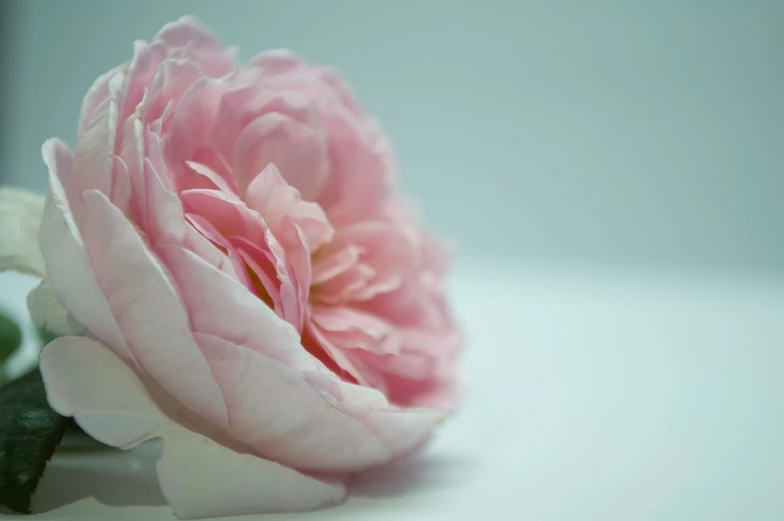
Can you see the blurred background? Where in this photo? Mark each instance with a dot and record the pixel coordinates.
(611, 133)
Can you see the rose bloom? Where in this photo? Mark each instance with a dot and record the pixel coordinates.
(253, 287)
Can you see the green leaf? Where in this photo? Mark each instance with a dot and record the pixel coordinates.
(30, 431)
(10, 337)
(46, 336)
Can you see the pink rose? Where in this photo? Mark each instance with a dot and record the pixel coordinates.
(253, 287)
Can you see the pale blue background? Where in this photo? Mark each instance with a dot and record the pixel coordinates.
(621, 132)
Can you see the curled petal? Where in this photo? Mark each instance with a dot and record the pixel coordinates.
(275, 199)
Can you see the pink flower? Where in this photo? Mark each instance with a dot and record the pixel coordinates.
(253, 287)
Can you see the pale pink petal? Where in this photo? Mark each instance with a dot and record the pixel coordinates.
(187, 30)
(442, 392)
(298, 149)
(328, 265)
(188, 33)
(339, 288)
(94, 155)
(147, 309)
(242, 105)
(222, 307)
(276, 61)
(96, 94)
(236, 108)
(216, 181)
(68, 269)
(226, 212)
(382, 282)
(362, 169)
(174, 76)
(166, 222)
(208, 231)
(307, 430)
(207, 157)
(120, 194)
(139, 74)
(298, 254)
(391, 252)
(349, 366)
(192, 122)
(270, 195)
(353, 329)
(283, 64)
(407, 364)
(264, 266)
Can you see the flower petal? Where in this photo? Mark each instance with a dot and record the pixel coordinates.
(297, 149)
(328, 265)
(275, 199)
(86, 380)
(236, 483)
(353, 329)
(96, 94)
(94, 155)
(305, 428)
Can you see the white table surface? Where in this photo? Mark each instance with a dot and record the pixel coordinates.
(595, 395)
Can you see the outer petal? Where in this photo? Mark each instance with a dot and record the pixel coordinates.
(200, 44)
(86, 380)
(94, 156)
(20, 217)
(327, 265)
(68, 269)
(199, 477)
(147, 309)
(236, 483)
(193, 121)
(304, 428)
(97, 93)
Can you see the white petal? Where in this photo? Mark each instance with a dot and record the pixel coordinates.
(20, 217)
(199, 477)
(48, 314)
(86, 380)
